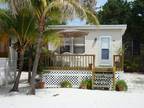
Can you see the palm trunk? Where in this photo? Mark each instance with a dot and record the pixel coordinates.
(16, 83)
(35, 65)
(30, 64)
(29, 69)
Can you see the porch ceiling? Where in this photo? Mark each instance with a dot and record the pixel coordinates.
(73, 33)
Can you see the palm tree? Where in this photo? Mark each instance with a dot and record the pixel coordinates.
(44, 10)
(20, 27)
(49, 36)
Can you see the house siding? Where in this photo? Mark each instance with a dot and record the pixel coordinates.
(92, 47)
(95, 32)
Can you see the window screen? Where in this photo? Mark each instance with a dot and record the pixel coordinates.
(105, 53)
(73, 45)
(79, 49)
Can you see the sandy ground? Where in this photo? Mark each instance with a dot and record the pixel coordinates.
(76, 98)
(135, 82)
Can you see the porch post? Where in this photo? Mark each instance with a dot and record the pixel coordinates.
(72, 45)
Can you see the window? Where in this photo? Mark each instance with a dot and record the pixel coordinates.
(105, 44)
(64, 49)
(79, 49)
(105, 53)
(79, 40)
(66, 46)
(73, 45)
(79, 45)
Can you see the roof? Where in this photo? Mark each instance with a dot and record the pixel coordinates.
(121, 28)
(73, 32)
(87, 27)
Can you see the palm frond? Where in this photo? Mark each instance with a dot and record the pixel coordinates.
(70, 9)
(52, 36)
(21, 26)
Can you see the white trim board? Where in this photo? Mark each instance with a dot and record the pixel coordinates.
(115, 27)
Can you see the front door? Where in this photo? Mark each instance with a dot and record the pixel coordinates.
(105, 50)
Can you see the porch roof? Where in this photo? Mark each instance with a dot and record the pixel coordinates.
(73, 33)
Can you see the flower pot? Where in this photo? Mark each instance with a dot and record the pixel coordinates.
(83, 86)
(119, 88)
(40, 85)
(90, 66)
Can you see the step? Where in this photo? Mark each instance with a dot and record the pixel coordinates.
(103, 69)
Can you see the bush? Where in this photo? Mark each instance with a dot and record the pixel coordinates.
(66, 84)
(121, 85)
(86, 84)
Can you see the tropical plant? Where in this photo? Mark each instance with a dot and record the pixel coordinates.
(20, 27)
(121, 85)
(56, 9)
(65, 84)
(86, 84)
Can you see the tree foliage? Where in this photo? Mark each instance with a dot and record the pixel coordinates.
(44, 11)
(132, 14)
(114, 12)
(22, 28)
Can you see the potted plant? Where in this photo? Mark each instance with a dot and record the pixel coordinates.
(121, 85)
(86, 84)
(39, 82)
(90, 66)
(65, 84)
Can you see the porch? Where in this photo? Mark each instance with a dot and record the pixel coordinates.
(78, 62)
(76, 68)
(69, 62)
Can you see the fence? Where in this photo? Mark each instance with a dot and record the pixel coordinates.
(69, 62)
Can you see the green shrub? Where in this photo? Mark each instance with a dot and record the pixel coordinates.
(65, 84)
(86, 84)
(121, 85)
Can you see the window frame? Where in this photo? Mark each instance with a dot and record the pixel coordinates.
(72, 45)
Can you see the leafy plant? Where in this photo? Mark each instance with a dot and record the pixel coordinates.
(121, 85)
(134, 64)
(86, 84)
(65, 84)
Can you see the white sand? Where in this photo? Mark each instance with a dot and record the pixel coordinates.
(77, 98)
(74, 98)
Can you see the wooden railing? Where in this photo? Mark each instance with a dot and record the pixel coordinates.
(70, 62)
(118, 62)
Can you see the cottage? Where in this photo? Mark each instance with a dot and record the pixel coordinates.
(85, 50)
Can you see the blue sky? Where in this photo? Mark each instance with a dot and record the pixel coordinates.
(78, 21)
(101, 2)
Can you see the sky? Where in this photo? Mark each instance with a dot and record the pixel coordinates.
(78, 21)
